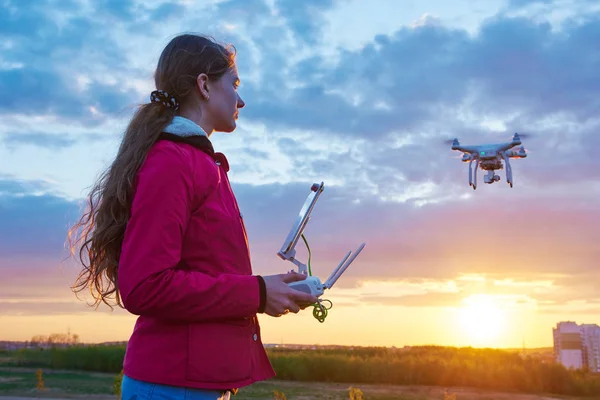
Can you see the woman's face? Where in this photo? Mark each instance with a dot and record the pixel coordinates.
(224, 101)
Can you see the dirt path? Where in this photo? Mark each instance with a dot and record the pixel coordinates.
(55, 371)
(57, 398)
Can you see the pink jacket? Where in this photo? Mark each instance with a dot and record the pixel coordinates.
(185, 270)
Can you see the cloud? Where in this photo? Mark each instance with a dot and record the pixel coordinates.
(36, 306)
(45, 307)
(522, 3)
(513, 66)
(549, 4)
(61, 60)
(403, 238)
(423, 83)
(544, 291)
(567, 289)
(22, 308)
(37, 139)
(44, 91)
(415, 300)
(47, 140)
(492, 235)
(35, 221)
(386, 108)
(370, 122)
(516, 250)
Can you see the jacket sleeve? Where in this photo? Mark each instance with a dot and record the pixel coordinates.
(151, 280)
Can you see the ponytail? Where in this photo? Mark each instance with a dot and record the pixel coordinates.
(100, 231)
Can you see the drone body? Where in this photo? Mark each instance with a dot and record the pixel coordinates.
(489, 158)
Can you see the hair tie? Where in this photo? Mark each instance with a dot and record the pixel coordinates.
(164, 98)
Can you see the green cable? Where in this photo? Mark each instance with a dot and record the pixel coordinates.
(309, 255)
(319, 311)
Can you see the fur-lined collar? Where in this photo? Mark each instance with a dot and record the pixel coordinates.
(182, 126)
(183, 130)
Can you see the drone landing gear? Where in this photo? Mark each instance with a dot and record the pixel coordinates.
(472, 182)
(509, 178)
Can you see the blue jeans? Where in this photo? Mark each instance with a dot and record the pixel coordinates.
(133, 389)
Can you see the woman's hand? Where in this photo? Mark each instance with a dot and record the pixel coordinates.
(281, 298)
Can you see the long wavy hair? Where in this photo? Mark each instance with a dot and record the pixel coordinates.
(100, 231)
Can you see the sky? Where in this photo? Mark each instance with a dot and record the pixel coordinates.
(360, 95)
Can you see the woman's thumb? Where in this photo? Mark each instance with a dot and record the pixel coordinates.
(293, 276)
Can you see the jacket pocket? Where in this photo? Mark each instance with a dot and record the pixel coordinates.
(220, 352)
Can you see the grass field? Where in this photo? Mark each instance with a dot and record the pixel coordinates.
(419, 373)
(24, 382)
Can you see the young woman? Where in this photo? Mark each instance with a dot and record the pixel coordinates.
(164, 236)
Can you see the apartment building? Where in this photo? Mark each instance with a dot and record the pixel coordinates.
(590, 339)
(577, 346)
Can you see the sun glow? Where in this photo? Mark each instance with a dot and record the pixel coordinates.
(482, 320)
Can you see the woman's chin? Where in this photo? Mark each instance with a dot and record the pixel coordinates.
(233, 124)
(228, 128)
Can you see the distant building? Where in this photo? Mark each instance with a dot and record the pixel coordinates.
(577, 346)
(568, 348)
(590, 339)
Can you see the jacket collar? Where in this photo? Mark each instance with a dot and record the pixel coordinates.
(182, 126)
(183, 130)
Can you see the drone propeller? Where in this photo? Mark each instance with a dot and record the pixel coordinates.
(524, 135)
(526, 150)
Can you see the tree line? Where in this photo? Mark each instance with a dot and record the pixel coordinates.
(55, 339)
(491, 369)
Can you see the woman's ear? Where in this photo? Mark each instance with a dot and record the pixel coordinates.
(202, 83)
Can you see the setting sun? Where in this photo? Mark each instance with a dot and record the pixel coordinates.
(482, 320)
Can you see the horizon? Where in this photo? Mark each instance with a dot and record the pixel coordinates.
(360, 97)
(284, 344)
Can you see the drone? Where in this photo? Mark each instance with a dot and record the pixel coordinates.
(489, 157)
(312, 284)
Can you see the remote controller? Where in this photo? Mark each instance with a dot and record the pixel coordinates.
(311, 284)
